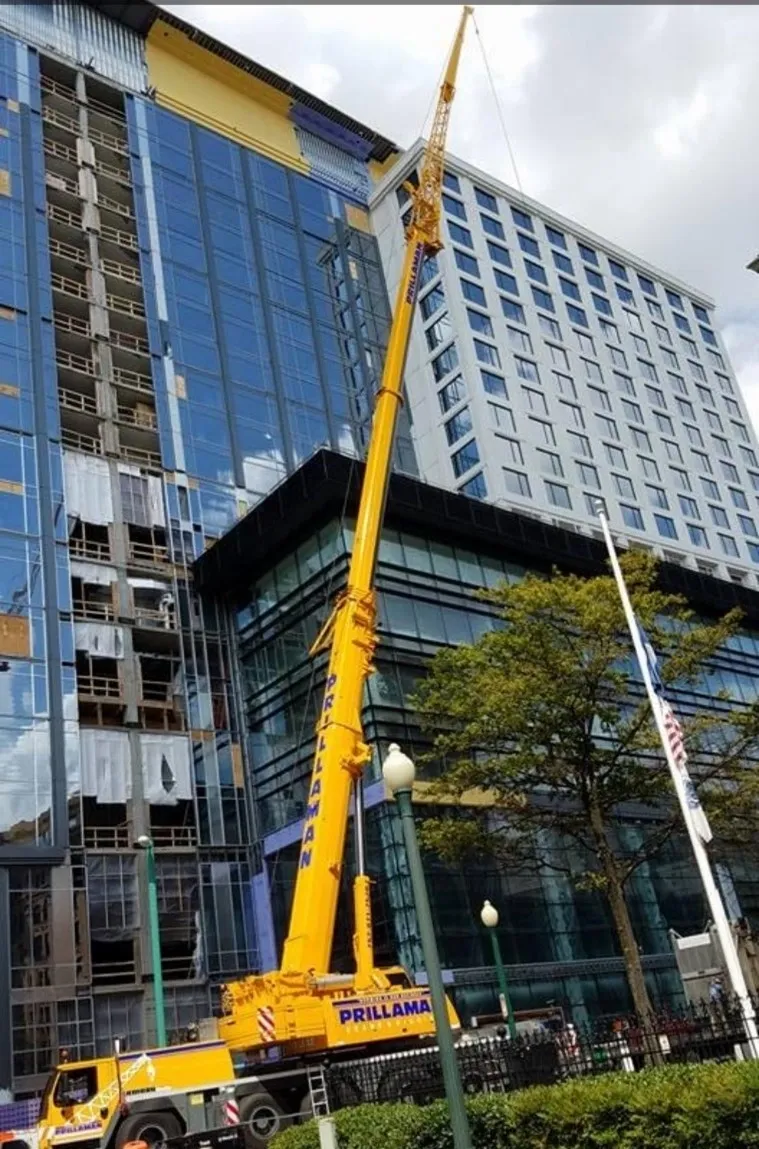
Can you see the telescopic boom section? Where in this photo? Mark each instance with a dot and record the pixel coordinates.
(341, 752)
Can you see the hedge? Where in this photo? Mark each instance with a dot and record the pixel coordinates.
(710, 1106)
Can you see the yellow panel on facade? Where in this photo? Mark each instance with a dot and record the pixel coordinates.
(5, 182)
(14, 636)
(9, 389)
(197, 84)
(377, 170)
(358, 218)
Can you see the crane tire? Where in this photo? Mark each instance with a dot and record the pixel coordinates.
(150, 1128)
(262, 1119)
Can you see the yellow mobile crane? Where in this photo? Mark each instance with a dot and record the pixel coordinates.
(302, 1005)
(301, 1008)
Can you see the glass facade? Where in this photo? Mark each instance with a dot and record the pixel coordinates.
(558, 940)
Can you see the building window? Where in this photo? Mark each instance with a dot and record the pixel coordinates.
(587, 253)
(498, 253)
(486, 200)
(601, 304)
(703, 462)
(665, 526)
(438, 332)
(697, 371)
(516, 483)
(579, 444)
(445, 362)
(624, 383)
(646, 285)
(543, 299)
(493, 384)
(730, 404)
(432, 302)
(536, 400)
(609, 330)
(678, 383)
(694, 435)
(555, 237)
(480, 322)
(487, 353)
(615, 455)
(519, 340)
(674, 454)
(588, 475)
(710, 488)
(452, 394)
(739, 499)
(689, 345)
(682, 478)
(465, 262)
(657, 497)
(749, 456)
(650, 467)
(654, 309)
(662, 334)
(570, 289)
(729, 545)
(565, 384)
(753, 551)
(648, 371)
(715, 359)
(700, 313)
(722, 446)
(527, 370)
(632, 411)
(535, 271)
(512, 310)
(682, 323)
(451, 181)
(528, 245)
(592, 370)
(632, 517)
(502, 418)
(713, 420)
(617, 270)
(577, 315)
(729, 471)
(599, 398)
(562, 262)
(458, 426)
(655, 396)
(697, 535)
(549, 326)
(521, 219)
(460, 234)
(475, 488)
(550, 463)
(640, 439)
(607, 426)
(454, 206)
(544, 431)
(673, 298)
(684, 407)
(430, 269)
(584, 342)
(670, 358)
(505, 281)
(493, 227)
(473, 292)
(719, 516)
(689, 507)
(513, 450)
(559, 357)
(640, 344)
(572, 413)
(465, 458)
(623, 486)
(558, 495)
(624, 294)
(595, 279)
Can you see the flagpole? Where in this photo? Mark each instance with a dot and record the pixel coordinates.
(714, 900)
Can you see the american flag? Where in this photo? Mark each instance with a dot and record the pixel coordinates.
(676, 742)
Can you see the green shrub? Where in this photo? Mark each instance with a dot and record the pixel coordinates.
(709, 1106)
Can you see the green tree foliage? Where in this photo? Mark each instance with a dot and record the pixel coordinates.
(547, 714)
(674, 1107)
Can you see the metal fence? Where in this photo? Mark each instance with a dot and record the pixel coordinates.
(498, 1064)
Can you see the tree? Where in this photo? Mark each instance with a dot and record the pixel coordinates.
(546, 712)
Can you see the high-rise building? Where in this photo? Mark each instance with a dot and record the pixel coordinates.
(193, 299)
(549, 367)
(191, 302)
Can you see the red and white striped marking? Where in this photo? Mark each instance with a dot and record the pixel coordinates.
(266, 1028)
(231, 1112)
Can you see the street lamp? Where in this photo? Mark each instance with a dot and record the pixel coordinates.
(489, 919)
(146, 843)
(398, 771)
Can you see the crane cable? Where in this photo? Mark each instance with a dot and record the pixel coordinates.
(499, 108)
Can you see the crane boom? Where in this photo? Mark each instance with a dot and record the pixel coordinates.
(302, 1007)
(341, 752)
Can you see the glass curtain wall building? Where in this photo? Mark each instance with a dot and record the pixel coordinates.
(548, 367)
(188, 310)
(437, 551)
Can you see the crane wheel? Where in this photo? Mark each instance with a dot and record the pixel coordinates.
(149, 1128)
(262, 1118)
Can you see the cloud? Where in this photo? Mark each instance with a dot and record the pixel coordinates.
(636, 121)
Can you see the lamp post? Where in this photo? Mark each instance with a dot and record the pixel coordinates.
(146, 843)
(398, 771)
(489, 919)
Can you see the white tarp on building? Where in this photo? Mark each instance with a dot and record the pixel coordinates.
(106, 770)
(166, 776)
(88, 488)
(92, 573)
(99, 639)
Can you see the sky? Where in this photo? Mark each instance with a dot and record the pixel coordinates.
(636, 121)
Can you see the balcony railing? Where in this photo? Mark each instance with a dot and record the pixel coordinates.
(77, 401)
(48, 84)
(62, 215)
(112, 171)
(73, 324)
(125, 306)
(60, 151)
(94, 611)
(141, 456)
(69, 286)
(107, 140)
(90, 549)
(133, 417)
(53, 116)
(134, 379)
(148, 616)
(122, 271)
(107, 838)
(161, 693)
(114, 973)
(148, 554)
(121, 238)
(174, 837)
(124, 341)
(77, 441)
(113, 205)
(99, 686)
(62, 183)
(71, 362)
(69, 251)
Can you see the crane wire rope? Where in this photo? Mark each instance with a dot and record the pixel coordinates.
(499, 108)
